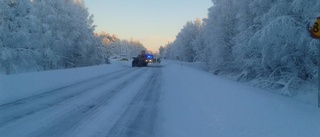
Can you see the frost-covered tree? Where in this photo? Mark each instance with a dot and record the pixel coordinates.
(266, 40)
(42, 35)
(18, 28)
(118, 47)
(183, 45)
(219, 32)
(127, 48)
(162, 51)
(71, 29)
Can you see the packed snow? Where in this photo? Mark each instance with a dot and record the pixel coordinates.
(183, 101)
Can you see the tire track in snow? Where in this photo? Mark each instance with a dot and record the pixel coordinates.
(140, 118)
(71, 118)
(19, 109)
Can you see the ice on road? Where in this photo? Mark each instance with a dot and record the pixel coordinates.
(163, 100)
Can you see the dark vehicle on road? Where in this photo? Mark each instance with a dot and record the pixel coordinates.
(142, 60)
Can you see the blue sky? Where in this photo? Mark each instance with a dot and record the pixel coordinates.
(152, 22)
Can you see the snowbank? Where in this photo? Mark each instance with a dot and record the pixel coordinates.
(198, 104)
(17, 86)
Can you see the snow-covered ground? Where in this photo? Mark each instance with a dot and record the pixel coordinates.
(17, 86)
(198, 104)
(172, 99)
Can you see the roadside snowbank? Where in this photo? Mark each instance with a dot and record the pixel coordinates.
(17, 86)
(198, 104)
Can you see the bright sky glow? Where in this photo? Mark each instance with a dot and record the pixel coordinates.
(153, 22)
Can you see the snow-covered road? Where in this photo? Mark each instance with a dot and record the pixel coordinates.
(131, 93)
(171, 100)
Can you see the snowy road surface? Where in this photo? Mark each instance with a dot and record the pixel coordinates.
(170, 100)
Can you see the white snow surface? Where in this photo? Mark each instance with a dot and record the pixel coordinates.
(17, 86)
(192, 103)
